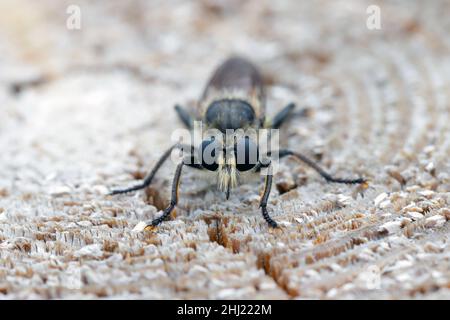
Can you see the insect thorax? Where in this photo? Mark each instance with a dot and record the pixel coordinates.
(230, 114)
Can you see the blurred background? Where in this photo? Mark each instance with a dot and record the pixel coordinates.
(86, 96)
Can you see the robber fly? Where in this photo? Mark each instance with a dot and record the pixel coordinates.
(234, 98)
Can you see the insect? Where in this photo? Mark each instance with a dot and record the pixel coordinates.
(234, 98)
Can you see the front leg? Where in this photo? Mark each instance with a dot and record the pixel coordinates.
(265, 197)
(173, 200)
(148, 180)
(315, 166)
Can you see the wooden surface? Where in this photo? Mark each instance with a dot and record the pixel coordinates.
(86, 110)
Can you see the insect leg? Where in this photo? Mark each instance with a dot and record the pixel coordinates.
(148, 180)
(184, 116)
(315, 166)
(174, 198)
(287, 112)
(281, 116)
(265, 197)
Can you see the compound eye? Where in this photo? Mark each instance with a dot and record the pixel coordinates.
(209, 153)
(247, 154)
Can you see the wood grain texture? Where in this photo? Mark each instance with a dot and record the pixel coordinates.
(86, 110)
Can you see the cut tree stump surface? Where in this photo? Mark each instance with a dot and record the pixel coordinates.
(86, 110)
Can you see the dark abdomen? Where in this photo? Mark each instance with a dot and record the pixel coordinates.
(235, 73)
(236, 83)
